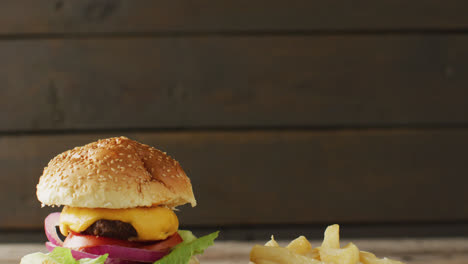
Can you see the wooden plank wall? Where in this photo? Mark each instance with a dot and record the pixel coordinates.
(289, 115)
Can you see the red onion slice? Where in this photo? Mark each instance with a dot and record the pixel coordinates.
(126, 253)
(80, 255)
(50, 223)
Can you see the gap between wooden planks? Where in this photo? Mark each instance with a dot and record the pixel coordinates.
(410, 251)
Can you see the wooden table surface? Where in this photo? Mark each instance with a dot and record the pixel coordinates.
(411, 251)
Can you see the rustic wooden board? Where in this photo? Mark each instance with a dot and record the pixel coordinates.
(278, 177)
(57, 16)
(275, 81)
(411, 251)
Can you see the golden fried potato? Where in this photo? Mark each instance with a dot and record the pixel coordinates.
(313, 253)
(272, 242)
(262, 261)
(300, 246)
(300, 251)
(346, 255)
(331, 237)
(279, 255)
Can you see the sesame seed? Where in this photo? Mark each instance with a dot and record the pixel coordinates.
(121, 154)
(168, 170)
(164, 175)
(129, 156)
(112, 169)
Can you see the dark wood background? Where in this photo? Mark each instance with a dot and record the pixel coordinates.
(286, 116)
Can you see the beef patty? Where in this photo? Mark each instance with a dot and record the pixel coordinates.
(110, 228)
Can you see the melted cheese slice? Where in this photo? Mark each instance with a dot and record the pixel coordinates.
(153, 223)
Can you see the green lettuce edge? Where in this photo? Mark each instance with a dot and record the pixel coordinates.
(60, 255)
(191, 246)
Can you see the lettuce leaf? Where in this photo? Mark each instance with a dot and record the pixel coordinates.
(59, 255)
(187, 236)
(191, 246)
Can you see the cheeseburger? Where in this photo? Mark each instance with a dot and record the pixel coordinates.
(118, 199)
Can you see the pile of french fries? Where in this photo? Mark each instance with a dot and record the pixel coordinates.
(300, 251)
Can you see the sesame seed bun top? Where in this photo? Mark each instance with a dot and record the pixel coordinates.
(114, 173)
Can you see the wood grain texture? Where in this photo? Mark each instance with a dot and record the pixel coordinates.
(275, 81)
(411, 251)
(278, 177)
(57, 16)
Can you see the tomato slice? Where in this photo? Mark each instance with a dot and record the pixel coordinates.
(164, 245)
(78, 242)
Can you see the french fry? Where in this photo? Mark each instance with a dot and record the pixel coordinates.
(331, 237)
(313, 253)
(300, 251)
(279, 255)
(346, 255)
(262, 261)
(272, 242)
(300, 246)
